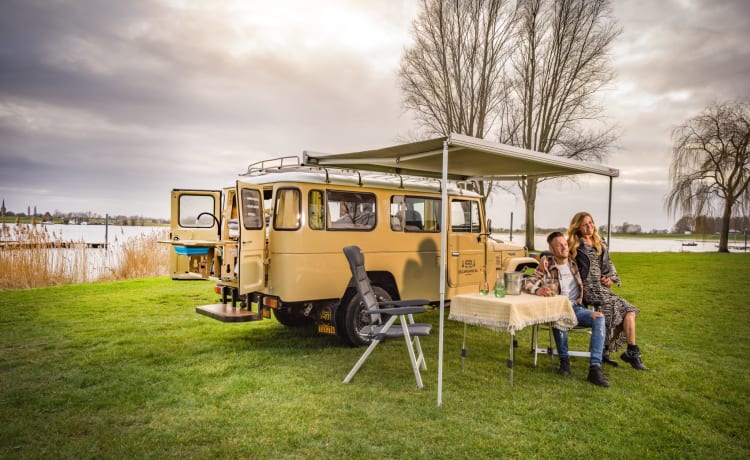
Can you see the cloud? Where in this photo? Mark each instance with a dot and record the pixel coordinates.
(105, 106)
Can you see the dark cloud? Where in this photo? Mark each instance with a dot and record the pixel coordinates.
(702, 47)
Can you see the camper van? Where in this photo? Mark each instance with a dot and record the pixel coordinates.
(273, 240)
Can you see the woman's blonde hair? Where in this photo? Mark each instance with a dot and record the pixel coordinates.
(574, 234)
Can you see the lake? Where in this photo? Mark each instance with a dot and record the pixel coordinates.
(634, 244)
(96, 234)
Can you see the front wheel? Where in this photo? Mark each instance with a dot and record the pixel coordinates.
(356, 319)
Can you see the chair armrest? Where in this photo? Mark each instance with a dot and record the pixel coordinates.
(405, 303)
(397, 310)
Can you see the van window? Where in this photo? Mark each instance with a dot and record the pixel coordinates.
(421, 214)
(465, 216)
(397, 213)
(190, 206)
(316, 211)
(350, 210)
(287, 209)
(252, 209)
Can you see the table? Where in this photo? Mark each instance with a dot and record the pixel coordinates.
(510, 314)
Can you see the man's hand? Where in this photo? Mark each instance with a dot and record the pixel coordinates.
(544, 291)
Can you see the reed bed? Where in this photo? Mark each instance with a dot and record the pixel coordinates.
(140, 257)
(32, 256)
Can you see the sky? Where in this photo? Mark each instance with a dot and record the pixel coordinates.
(105, 106)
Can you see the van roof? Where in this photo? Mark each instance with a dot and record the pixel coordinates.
(313, 175)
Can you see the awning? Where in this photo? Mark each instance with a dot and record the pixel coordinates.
(461, 158)
(469, 158)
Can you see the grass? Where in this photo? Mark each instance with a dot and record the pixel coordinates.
(127, 369)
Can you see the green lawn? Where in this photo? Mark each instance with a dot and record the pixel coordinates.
(127, 369)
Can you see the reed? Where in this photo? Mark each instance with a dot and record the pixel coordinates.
(140, 257)
(33, 256)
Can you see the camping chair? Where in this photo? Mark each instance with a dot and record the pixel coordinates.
(551, 350)
(378, 329)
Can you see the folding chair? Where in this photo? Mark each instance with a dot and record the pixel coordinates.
(378, 330)
(550, 350)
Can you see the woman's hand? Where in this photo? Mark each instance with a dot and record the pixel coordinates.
(606, 281)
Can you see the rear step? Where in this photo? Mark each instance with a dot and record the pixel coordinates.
(226, 313)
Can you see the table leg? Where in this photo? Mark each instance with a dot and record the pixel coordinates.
(511, 356)
(464, 351)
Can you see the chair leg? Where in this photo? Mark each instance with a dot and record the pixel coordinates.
(410, 349)
(420, 356)
(369, 351)
(418, 344)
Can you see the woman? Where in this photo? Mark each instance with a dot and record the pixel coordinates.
(598, 275)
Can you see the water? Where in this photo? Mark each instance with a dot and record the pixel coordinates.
(635, 244)
(96, 233)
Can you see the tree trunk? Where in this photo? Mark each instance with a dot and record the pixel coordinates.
(529, 197)
(725, 222)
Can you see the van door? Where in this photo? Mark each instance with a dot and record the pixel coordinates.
(194, 218)
(252, 238)
(465, 247)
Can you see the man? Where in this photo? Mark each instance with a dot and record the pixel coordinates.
(563, 270)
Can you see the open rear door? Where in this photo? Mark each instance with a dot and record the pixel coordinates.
(252, 238)
(193, 232)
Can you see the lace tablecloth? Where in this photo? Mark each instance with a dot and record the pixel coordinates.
(512, 312)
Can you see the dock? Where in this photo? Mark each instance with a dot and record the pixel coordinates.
(51, 245)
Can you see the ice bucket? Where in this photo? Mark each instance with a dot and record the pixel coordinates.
(513, 282)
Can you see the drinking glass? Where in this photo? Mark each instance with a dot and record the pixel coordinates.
(484, 287)
(552, 284)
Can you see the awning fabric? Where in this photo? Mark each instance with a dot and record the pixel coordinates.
(469, 158)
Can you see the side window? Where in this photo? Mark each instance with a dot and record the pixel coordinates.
(350, 210)
(465, 216)
(397, 213)
(287, 209)
(191, 206)
(421, 214)
(252, 209)
(316, 210)
(234, 217)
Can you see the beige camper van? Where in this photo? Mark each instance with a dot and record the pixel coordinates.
(273, 241)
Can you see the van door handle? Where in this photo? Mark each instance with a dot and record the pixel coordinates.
(455, 253)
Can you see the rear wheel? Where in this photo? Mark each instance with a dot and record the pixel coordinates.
(356, 319)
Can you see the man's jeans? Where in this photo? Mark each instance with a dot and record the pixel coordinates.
(596, 345)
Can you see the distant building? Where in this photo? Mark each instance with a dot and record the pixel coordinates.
(2, 208)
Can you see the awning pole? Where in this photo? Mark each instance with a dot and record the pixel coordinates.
(443, 263)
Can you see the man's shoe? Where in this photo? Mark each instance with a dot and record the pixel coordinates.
(596, 376)
(634, 358)
(607, 360)
(564, 367)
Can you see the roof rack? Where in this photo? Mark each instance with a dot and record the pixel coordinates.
(274, 164)
(293, 164)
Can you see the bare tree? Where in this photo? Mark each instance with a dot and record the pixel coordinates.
(457, 77)
(561, 61)
(710, 167)
(452, 76)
